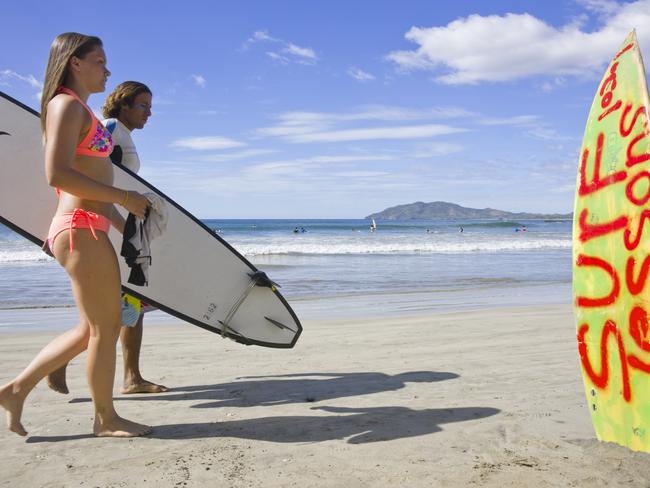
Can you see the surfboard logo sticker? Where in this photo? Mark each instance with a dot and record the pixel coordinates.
(611, 253)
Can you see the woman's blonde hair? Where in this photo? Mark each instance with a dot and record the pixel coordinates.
(64, 47)
(124, 94)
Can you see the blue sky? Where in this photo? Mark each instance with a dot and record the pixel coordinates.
(337, 109)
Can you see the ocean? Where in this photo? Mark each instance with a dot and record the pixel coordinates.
(332, 268)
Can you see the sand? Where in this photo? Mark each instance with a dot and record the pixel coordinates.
(484, 398)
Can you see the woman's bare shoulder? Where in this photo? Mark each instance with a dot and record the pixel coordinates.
(64, 106)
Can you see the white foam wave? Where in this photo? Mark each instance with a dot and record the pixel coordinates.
(34, 255)
(397, 247)
(330, 245)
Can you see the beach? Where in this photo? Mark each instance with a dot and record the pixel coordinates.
(428, 357)
(487, 397)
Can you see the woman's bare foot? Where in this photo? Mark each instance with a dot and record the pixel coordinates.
(13, 404)
(56, 380)
(142, 386)
(119, 427)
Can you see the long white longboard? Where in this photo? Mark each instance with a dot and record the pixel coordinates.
(195, 275)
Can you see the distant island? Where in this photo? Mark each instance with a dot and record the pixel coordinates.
(446, 210)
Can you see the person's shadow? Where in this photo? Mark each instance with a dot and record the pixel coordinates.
(294, 388)
(357, 425)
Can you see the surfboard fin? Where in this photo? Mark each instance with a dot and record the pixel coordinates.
(230, 333)
(258, 278)
(280, 324)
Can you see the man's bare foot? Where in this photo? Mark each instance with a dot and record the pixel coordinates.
(119, 427)
(56, 380)
(13, 404)
(142, 386)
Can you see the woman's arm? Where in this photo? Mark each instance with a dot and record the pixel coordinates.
(117, 220)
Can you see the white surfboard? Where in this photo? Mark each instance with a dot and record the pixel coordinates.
(195, 275)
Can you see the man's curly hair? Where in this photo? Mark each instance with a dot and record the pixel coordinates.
(124, 94)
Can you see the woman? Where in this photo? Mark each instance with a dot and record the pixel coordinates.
(77, 164)
(127, 108)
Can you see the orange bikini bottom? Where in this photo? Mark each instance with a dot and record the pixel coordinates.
(79, 219)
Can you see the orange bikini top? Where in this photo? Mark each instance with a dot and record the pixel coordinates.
(98, 142)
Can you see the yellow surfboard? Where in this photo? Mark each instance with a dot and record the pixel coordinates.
(611, 253)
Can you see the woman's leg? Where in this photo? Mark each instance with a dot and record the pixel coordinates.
(131, 338)
(95, 277)
(61, 350)
(94, 273)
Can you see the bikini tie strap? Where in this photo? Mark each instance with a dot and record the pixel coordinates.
(90, 217)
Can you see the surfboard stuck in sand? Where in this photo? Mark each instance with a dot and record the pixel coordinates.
(611, 253)
(195, 275)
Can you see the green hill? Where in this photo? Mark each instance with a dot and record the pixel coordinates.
(446, 210)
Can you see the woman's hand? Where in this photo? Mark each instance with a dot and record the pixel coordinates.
(136, 204)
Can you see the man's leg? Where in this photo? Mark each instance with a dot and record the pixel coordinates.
(131, 338)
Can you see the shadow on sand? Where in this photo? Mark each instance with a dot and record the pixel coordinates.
(291, 388)
(357, 425)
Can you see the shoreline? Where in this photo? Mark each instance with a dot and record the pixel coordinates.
(350, 305)
(485, 398)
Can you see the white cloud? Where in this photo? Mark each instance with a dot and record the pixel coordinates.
(547, 134)
(206, 143)
(258, 36)
(516, 120)
(376, 112)
(361, 174)
(292, 124)
(199, 80)
(161, 100)
(300, 166)
(549, 86)
(366, 134)
(261, 36)
(301, 52)
(606, 7)
(570, 188)
(287, 130)
(290, 52)
(386, 112)
(231, 156)
(347, 158)
(514, 46)
(277, 57)
(7, 74)
(273, 169)
(433, 150)
(360, 75)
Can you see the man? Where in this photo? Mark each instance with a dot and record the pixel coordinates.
(127, 108)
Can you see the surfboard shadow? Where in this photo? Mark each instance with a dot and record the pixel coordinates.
(294, 388)
(355, 425)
